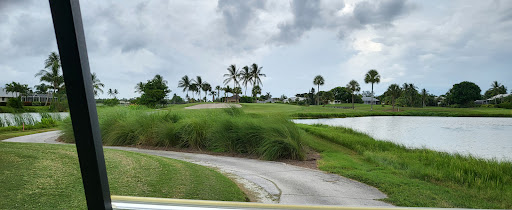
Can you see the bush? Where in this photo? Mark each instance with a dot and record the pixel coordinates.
(15, 103)
(246, 99)
(36, 103)
(223, 130)
(507, 105)
(111, 102)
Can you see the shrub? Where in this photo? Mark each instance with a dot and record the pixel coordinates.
(507, 105)
(15, 103)
(36, 103)
(246, 99)
(111, 102)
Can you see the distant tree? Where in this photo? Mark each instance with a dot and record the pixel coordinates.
(372, 77)
(424, 95)
(341, 94)
(236, 91)
(139, 87)
(206, 87)
(353, 87)
(410, 93)
(96, 84)
(51, 73)
(177, 99)
(464, 93)
(319, 80)
(255, 91)
(43, 89)
(366, 93)
(199, 84)
(213, 93)
(283, 97)
(394, 92)
(113, 93)
(256, 75)
(194, 88)
(218, 88)
(185, 83)
(154, 91)
(227, 90)
(496, 89)
(327, 96)
(233, 75)
(245, 77)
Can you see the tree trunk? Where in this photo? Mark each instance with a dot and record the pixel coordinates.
(353, 101)
(393, 103)
(371, 100)
(318, 95)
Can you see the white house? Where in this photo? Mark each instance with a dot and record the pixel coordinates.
(4, 96)
(294, 99)
(368, 100)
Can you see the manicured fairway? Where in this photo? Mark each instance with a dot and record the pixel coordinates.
(43, 176)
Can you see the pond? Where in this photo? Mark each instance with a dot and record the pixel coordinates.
(483, 137)
(8, 119)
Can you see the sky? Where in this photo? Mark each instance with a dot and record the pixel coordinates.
(433, 44)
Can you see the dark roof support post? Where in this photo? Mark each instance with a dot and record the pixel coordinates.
(67, 21)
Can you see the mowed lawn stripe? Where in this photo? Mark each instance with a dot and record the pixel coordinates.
(42, 176)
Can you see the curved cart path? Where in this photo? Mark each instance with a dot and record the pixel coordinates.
(270, 182)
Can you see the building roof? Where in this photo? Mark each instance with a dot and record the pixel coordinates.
(499, 96)
(3, 93)
(369, 99)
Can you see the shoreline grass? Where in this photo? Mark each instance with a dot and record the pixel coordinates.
(363, 110)
(44, 176)
(412, 177)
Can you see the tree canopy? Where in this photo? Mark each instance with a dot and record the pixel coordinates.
(464, 93)
(153, 91)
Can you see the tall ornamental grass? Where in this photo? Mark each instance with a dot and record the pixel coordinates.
(219, 130)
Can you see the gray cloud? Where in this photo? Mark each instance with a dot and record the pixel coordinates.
(236, 14)
(381, 13)
(306, 13)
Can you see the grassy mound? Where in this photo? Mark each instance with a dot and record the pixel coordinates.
(412, 177)
(219, 130)
(42, 176)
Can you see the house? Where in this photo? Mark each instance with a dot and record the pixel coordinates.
(4, 96)
(271, 100)
(38, 97)
(232, 99)
(492, 99)
(368, 100)
(294, 99)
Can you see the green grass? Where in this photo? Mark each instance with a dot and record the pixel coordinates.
(219, 130)
(6, 109)
(412, 177)
(364, 110)
(42, 176)
(12, 134)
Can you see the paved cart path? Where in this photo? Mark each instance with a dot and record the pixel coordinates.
(270, 182)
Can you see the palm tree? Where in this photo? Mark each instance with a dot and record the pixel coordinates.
(353, 87)
(96, 84)
(51, 73)
(410, 92)
(394, 91)
(218, 90)
(319, 80)
(199, 83)
(424, 94)
(112, 93)
(206, 87)
(43, 88)
(194, 88)
(213, 93)
(233, 75)
(245, 77)
(372, 77)
(256, 74)
(496, 89)
(227, 90)
(185, 83)
(139, 87)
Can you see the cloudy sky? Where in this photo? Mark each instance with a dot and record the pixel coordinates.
(433, 44)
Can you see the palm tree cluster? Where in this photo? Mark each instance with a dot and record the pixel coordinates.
(249, 75)
(196, 86)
